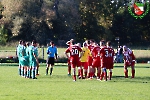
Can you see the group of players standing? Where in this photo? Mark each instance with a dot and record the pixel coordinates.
(93, 57)
(90, 58)
(28, 59)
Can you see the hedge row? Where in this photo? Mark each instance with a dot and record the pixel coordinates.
(60, 60)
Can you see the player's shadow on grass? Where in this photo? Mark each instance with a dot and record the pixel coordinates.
(57, 76)
(129, 79)
(135, 67)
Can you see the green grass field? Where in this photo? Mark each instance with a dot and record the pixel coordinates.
(61, 87)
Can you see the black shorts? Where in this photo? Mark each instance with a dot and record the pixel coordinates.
(50, 60)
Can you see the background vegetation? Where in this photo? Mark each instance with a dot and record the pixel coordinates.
(8, 55)
(61, 20)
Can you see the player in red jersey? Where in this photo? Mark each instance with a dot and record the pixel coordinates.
(104, 59)
(90, 60)
(110, 59)
(129, 60)
(74, 51)
(96, 61)
(80, 69)
(69, 65)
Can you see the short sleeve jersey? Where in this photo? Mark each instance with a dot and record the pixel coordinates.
(24, 51)
(90, 47)
(96, 52)
(36, 51)
(19, 50)
(104, 53)
(51, 51)
(31, 52)
(74, 51)
(110, 54)
(27, 51)
(128, 55)
(86, 53)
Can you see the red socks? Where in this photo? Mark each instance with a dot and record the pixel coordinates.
(102, 75)
(126, 73)
(133, 73)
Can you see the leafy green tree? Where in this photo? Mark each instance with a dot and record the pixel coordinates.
(96, 19)
(67, 18)
(79, 19)
(3, 35)
(28, 19)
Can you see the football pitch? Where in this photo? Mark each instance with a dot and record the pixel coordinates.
(60, 86)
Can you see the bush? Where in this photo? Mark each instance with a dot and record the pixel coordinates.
(9, 60)
(142, 60)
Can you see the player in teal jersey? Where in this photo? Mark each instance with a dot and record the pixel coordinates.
(33, 58)
(23, 60)
(19, 55)
(27, 54)
(36, 53)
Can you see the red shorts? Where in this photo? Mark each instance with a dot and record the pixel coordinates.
(96, 63)
(127, 64)
(90, 60)
(104, 64)
(109, 65)
(68, 61)
(84, 64)
(75, 62)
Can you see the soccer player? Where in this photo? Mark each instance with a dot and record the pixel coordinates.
(19, 55)
(52, 54)
(74, 51)
(24, 60)
(69, 65)
(80, 69)
(27, 54)
(96, 61)
(129, 60)
(36, 53)
(104, 58)
(84, 59)
(90, 59)
(110, 62)
(33, 58)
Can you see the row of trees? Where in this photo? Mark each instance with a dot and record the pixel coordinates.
(61, 20)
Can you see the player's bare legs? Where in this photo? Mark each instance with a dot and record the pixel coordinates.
(91, 72)
(37, 68)
(25, 71)
(74, 74)
(98, 72)
(69, 69)
(88, 73)
(126, 71)
(80, 72)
